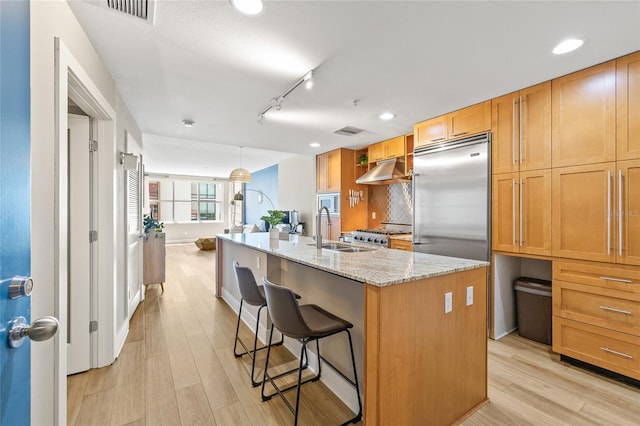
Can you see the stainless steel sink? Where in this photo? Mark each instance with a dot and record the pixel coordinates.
(344, 248)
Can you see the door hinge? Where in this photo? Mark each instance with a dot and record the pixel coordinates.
(93, 236)
(93, 145)
(93, 326)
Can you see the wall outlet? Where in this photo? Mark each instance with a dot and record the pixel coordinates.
(373, 215)
(469, 295)
(258, 262)
(448, 302)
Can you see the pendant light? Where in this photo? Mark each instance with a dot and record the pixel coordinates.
(240, 174)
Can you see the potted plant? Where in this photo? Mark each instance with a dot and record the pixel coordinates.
(152, 224)
(275, 217)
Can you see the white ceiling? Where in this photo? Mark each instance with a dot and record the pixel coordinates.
(203, 60)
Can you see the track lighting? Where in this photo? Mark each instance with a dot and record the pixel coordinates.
(276, 103)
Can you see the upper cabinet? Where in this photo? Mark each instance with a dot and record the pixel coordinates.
(628, 107)
(464, 122)
(584, 116)
(328, 171)
(390, 148)
(521, 125)
(470, 120)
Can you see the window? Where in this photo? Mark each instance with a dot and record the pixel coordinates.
(185, 201)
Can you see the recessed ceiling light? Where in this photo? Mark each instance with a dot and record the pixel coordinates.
(248, 7)
(188, 123)
(567, 46)
(386, 116)
(314, 144)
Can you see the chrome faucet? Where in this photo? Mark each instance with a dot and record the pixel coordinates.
(319, 226)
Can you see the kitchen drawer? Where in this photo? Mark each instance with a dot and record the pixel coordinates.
(401, 245)
(612, 309)
(607, 275)
(614, 351)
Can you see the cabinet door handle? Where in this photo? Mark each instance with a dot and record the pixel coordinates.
(620, 212)
(513, 126)
(620, 311)
(520, 130)
(619, 280)
(609, 212)
(459, 134)
(521, 191)
(622, 354)
(513, 211)
(437, 139)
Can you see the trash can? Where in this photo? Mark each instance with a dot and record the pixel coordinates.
(533, 305)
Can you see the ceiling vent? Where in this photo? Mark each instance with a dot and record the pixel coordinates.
(348, 131)
(141, 9)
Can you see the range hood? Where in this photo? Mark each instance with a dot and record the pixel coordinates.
(384, 172)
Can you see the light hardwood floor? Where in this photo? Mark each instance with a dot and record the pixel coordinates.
(177, 368)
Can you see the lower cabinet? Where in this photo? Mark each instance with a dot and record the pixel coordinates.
(401, 245)
(596, 314)
(330, 231)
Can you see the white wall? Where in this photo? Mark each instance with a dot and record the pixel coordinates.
(297, 188)
(189, 232)
(51, 19)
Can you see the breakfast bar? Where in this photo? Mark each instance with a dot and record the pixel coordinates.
(420, 321)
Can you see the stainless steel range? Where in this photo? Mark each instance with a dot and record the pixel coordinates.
(377, 237)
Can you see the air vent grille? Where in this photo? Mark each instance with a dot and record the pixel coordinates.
(142, 9)
(348, 131)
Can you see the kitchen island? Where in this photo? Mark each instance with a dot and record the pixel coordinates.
(419, 364)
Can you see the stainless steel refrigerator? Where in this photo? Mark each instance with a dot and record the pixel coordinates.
(452, 198)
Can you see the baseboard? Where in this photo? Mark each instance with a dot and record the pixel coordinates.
(602, 371)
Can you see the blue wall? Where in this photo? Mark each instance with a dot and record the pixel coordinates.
(265, 180)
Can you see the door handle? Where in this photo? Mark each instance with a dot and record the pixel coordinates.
(41, 329)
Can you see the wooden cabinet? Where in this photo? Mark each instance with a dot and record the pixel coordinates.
(582, 212)
(596, 309)
(470, 120)
(521, 218)
(628, 107)
(330, 231)
(584, 116)
(464, 122)
(405, 245)
(521, 130)
(391, 148)
(628, 212)
(328, 171)
(430, 131)
(596, 212)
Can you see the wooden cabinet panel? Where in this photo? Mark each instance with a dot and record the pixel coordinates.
(628, 209)
(583, 125)
(395, 147)
(430, 131)
(605, 275)
(401, 245)
(583, 212)
(330, 231)
(328, 170)
(470, 120)
(608, 349)
(153, 247)
(628, 107)
(614, 309)
(376, 152)
(535, 127)
(521, 217)
(504, 149)
(535, 212)
(504, 212)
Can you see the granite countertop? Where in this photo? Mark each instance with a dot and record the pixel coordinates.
(379, 266)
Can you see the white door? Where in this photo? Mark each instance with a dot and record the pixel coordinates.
(134, 179)
(79, 208)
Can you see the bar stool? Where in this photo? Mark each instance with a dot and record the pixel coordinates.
(305, 323)
(253, 295)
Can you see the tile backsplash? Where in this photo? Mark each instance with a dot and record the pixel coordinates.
(390, 203)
